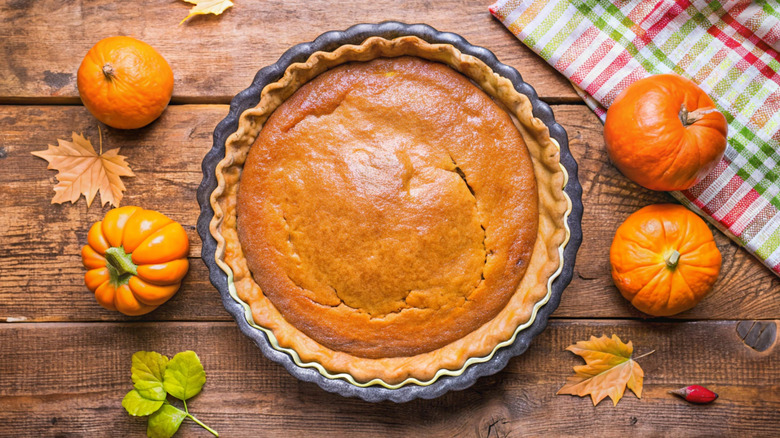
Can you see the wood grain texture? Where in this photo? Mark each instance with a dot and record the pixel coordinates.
(166, 158)
(40, 237)
(65, 361)
(213, 58)
(745, 285)
(758, 335)
(63, 380)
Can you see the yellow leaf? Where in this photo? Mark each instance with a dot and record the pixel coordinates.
(609, 369)
(201, 7)
(83, 172)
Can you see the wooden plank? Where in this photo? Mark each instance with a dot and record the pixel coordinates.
(41, 263)
(166, 157)
(70, 378)
(745, 286)
(213, 58)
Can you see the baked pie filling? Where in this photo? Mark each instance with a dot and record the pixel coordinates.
(390, 210)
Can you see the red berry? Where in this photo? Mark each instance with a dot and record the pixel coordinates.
(696, 394)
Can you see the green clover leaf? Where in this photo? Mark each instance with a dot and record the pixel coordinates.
(147, 374)
(165, 422)
(184, 376)
(138, 406)
(154, 377)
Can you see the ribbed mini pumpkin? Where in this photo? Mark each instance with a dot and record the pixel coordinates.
(664, 259)
(124, 82)
(136, 259)
(664, 133)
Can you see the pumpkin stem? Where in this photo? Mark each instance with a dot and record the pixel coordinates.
(108, 71)
(673, 259)
(120, 262)
(689, 118)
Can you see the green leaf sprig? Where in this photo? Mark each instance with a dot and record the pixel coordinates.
(154, 378)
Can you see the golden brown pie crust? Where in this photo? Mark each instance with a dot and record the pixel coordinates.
(380, 250)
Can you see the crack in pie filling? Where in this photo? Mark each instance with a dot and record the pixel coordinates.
(387, 216)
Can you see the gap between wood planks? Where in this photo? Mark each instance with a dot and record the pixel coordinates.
(230, 322)
(201, 100)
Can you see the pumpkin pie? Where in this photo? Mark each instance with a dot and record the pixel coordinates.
(390, 211)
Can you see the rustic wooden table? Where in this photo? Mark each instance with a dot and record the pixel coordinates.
(64, 361)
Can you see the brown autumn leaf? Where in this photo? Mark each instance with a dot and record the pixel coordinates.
(201, 7)
(83, 172)
(608, 369)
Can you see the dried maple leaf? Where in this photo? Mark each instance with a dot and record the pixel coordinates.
(83, 172)
(202, 7)
(609, 369)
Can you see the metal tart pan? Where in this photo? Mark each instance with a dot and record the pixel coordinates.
(251, 96)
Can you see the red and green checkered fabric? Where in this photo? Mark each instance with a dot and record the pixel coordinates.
(729, 48)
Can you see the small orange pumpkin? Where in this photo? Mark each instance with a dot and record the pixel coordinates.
(664, 259)
(124, 82)
(136, 259)
(664, 133)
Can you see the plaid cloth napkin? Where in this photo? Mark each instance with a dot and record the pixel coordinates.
(730, 49)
